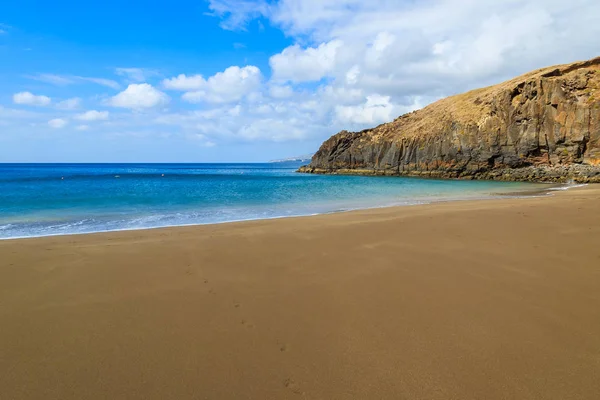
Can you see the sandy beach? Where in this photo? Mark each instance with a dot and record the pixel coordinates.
(495, 299)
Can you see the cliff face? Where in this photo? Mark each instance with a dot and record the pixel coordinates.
(542, 126)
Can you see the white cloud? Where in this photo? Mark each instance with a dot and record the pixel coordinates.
(424, 48)
(53, 79)
(261, 118)
(281, 92)
(223, 87)
(352, 75)
(237, 13)
(100, 81)
(30, 99)
(17, 114)
(135, 74)
(352, 65)
(226, 124)
(185, 83)
(375, 110)
(64, 80)
(382, 58)
(82, 127)
(235, 111)
(380, 50)
(69, 104)
(139, 96)
(93, 115)
(58, 123)
(301, 65)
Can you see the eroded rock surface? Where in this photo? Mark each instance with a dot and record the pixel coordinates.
(542, 126)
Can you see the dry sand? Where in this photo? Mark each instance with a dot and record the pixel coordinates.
(496, 299)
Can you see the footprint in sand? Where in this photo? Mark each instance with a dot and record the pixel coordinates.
(283, 348)
(247, 324)
(292, 385)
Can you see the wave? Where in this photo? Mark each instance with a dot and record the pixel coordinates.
(87, 200)
(210, 216)
(568, 186)
(125, 176)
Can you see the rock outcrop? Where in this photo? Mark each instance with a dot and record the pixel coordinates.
(542, 126)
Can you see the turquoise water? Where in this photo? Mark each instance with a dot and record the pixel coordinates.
(54, 199)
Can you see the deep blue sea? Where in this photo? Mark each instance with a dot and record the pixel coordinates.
(55, 199)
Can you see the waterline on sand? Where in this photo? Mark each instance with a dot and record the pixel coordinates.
(49, 200)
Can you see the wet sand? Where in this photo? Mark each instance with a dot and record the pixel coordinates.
(494, 299)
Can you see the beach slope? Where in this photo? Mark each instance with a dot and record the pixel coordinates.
(496, 299)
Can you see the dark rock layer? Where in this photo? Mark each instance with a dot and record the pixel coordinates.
(542, 126)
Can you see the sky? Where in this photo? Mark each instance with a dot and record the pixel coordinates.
(254, 80)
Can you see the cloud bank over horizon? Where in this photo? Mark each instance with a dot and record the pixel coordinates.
(348, 64)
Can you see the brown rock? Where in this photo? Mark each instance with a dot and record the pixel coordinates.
(545, 123)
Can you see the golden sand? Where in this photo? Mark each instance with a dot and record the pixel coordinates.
(496, 299)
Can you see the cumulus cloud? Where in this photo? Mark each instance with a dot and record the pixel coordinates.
(358, 63)
(82, 127)
(69, 104)
(281, 92)
(184, 82)
(30, 99)
(375, 110)
(139, 96)
(57, 123)
(301, 65)
(262, 119)
(352, 64)
(230, 85)
(93, 115)
(352, 75)
(432, 48)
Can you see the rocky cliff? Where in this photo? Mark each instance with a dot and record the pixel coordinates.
(542, 126)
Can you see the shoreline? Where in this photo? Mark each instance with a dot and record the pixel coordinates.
(473, 299)
(553, 187)
(559, 174)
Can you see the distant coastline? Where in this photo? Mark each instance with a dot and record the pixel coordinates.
(304, 158)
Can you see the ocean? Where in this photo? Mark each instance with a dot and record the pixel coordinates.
(57, 199)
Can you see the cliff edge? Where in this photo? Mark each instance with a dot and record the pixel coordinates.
(541, 126)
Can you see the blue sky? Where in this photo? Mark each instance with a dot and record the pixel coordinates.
(253, 80)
